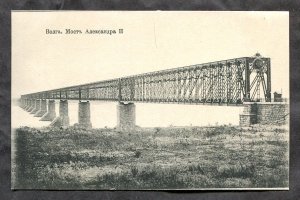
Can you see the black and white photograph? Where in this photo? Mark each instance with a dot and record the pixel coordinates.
(150, 100)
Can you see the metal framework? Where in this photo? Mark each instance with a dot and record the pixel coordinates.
(227, 82)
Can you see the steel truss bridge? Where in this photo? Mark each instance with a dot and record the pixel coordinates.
(226, 82)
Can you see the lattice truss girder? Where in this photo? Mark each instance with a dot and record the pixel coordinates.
(230, 82)
(219, 83)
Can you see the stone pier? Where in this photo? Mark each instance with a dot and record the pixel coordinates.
(268, 113)
(30, 102)
(27, 104)
(63, 119)
(23, 103)
(84, 114)
(125, 116)
(32, 105)
(51, 114)
(37, 106)
(43, 109)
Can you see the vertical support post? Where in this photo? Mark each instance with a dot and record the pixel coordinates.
(79, 94)
(120, 90)
(228, 73)
(268, 92)
(132, 89)
(247, 80)
(143, 88)
(178, 81)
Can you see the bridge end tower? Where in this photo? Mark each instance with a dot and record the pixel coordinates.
(264, 113)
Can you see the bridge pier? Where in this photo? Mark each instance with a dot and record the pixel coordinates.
(84, 114)
(268, 113)
(22, 103)
(37, 106)
(43, 108)
(50, 114)
(249, 115)
(125, 116)
(63, 119)
(32, 106)
(27, 104)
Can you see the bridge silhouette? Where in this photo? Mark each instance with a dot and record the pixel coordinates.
(232, 82)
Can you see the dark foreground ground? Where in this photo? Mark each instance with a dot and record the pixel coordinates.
(156, 158)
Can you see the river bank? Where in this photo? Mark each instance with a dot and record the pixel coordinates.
(152, 158)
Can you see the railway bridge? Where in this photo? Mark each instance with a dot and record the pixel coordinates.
(244, 81)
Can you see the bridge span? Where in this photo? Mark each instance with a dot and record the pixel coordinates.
(233, 82)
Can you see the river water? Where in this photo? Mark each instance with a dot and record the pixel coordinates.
(104, 114)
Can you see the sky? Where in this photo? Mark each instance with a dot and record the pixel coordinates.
(151, 41)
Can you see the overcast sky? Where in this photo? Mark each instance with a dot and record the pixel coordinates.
(151, 41)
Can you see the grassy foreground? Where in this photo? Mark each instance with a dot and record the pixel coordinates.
(156, 158)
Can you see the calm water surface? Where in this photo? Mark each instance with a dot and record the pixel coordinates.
(147, 115)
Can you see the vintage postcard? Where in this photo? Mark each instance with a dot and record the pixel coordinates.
(164, 100)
